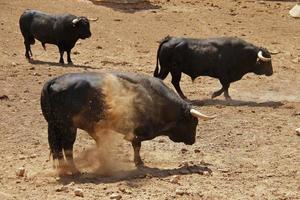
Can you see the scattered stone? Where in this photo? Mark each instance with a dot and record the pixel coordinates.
(296, 60)
(14, 64)
(32, 68)
(161, 141)
(20, 172)
(115, 196)
(78, 192)
(63, 188)
(181, 192)
(295, 11)
(76, 52)
(99, 47)
(36, 74)
(4, 97)
(298, 131)
(206, 173)
(197, 150)
(175, 179)
(33, 156)
(184, 150)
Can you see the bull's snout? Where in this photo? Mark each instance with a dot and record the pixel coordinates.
(269, 73)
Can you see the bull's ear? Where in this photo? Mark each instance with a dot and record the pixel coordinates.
(75, 21)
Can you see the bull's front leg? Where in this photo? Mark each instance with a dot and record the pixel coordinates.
(136, 144)
(61, 53)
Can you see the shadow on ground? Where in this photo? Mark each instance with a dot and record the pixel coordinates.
(213, 102)
(56, 64)
(145, 172)
(127, 7)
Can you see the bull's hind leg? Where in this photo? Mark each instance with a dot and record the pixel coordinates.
(27, 49)
(54, 139)
(68, 140)
(176, 76)
(225, 87)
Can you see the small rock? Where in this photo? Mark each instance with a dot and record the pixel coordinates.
(78, 192)
(115, 196)
(197, 150)
(4, 97)
(206, 173)
(76, 52)
(161, 141)
(295, 60)
(180, 192)
(14, 64)
(175, 179)
(99, 47)
(63, 188)
(36, 74)
(298, 131)
(21, 172)
(32, 68)
(33, 156)
(184, 150)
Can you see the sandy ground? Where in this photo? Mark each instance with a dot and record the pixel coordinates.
(251, 151)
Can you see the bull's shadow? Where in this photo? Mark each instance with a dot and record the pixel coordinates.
(56, 64)
(214, 102)
(127, 7)
(131, 175)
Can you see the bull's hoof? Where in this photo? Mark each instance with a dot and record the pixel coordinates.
(139, 164)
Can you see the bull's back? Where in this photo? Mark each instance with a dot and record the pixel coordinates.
(38, 24)
(70, 94)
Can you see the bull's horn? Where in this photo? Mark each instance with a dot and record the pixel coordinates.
(76, 20)
(197, 114)
(261, 57)
(93, 19)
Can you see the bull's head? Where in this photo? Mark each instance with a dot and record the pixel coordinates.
(82, 27)
(185, 128)
(264, 63)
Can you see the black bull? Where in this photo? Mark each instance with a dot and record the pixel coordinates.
(138, 106)
(227, 59)
(61, 30)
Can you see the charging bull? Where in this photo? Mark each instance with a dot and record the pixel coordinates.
(138, 106)
(61, 30)
(227, 59)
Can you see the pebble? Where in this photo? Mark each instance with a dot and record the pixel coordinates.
(298, 131)
(206, 173)
(63, 188)
(180, 192)
(21, 172)
(184, 150)
(175, 179)
(78, 192)
(115, 196)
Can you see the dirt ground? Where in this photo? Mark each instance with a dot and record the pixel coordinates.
(250, 151)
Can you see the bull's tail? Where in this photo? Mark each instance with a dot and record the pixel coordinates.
(157, 71)
(54, 137)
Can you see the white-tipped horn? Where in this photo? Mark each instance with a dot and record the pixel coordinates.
(93, 19)
(261, 57)
(197, 114)
(76, 20)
